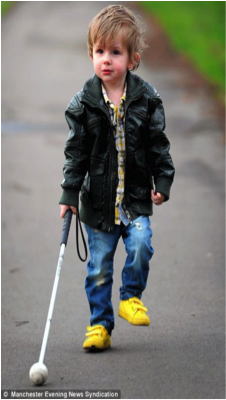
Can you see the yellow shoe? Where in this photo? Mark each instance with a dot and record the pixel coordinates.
(133, 311)
(98, 338)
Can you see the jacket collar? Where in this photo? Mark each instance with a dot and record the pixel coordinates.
(135, 87)
(92, 92)
(92, 89)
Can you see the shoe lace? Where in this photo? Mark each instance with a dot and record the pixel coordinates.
(137, 305)
(95, 330)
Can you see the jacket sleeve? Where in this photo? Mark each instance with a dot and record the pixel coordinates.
(159, 158)
(76, 154)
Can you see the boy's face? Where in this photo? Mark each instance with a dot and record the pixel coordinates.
(111, 62)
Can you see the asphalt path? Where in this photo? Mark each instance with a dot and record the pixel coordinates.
(181, 354)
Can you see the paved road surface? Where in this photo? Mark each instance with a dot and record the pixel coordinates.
(181, 355)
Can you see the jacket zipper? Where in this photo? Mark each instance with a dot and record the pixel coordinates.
(125, 204)
(106, 113)
(110, 180)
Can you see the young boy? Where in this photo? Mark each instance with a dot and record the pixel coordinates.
(116, 148)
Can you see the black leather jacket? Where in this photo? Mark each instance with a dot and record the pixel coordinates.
(91, 156)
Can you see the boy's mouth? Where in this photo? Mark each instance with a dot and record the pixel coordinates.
(107, 71)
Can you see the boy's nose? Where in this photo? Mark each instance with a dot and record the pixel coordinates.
(107, 59)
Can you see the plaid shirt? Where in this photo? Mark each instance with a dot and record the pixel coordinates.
(117, 120)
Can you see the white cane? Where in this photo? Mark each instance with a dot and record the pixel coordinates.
(39, 372)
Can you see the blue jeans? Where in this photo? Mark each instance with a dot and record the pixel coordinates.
(102, 247)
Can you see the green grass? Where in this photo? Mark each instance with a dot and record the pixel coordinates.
(5, 6)
(196, 29)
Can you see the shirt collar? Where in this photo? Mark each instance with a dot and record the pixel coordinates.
(106, 98)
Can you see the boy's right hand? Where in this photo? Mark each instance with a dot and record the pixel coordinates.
(64, 208)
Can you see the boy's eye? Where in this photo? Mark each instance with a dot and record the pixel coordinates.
(100, 51)
(116, 52)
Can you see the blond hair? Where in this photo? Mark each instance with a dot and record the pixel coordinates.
(111, 21)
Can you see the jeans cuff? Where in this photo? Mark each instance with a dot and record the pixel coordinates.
(127, 296)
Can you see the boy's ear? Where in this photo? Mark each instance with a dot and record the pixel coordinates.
(134, 61)
(137, 57)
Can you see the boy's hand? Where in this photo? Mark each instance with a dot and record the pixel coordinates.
(64, 208)
(157, 198)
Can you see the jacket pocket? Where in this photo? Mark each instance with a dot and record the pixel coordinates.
(97, 168)
(140, 187)
(141, 114)
(85, 190)
(141, 174)
(94, 121)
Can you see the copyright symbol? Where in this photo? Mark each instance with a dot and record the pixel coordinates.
(5, 394)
